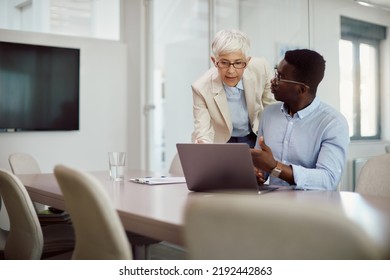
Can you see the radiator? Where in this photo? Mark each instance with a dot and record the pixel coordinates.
(356, 167)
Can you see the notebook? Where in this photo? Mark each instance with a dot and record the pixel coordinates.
(158, 180)
(211, 167)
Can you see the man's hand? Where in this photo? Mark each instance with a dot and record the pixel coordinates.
(263, 158)
(260, 176)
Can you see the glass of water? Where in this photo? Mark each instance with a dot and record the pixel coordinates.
(117, 162)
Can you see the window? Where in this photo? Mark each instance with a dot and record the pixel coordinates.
(87, 18)
(71, 17)
(359, 54)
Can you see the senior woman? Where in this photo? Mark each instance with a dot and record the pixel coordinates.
(229, 98)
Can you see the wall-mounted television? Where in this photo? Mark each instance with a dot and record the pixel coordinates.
(39, 87)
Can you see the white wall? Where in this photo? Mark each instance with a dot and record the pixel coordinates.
(274, 26)
(103, 108)
(133, 35)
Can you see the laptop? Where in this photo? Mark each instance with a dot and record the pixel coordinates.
(214, 167)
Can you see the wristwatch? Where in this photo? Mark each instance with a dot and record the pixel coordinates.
(277, 170)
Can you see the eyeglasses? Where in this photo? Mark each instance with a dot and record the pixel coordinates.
(278, 80)
(226, 64)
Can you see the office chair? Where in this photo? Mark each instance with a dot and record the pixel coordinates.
(26, 239)
(23, 163)
(99, 232)
(374, 177)
(245, 227)
(3, 235)
(175, 168)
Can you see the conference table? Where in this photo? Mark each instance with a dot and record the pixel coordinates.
(157, 211)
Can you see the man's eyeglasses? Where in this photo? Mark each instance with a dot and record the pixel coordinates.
(226, 64)
(278, 79)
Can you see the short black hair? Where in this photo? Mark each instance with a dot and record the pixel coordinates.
(309, 66)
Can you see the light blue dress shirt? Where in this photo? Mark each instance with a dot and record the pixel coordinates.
(314, 142)
(238, 110)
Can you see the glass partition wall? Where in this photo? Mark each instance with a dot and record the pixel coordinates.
(180, 33)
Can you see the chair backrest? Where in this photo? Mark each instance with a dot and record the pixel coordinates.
(175, 167)
(246, 227)
(99, 231)
(25, 238)
(374, 177)
(22, 163)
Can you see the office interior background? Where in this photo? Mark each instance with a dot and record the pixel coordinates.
(138, 59)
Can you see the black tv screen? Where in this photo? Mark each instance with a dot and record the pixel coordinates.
(39, 87)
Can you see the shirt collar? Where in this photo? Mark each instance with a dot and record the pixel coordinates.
(240, 85)
(305, 111)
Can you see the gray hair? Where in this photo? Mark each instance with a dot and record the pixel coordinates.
(227, 41)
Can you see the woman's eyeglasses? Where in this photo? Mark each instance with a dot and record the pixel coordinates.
(226, 64)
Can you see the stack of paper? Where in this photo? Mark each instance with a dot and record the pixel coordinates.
(159, 180)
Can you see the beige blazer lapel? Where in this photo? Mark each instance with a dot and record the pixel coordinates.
(250, 95)
(221, 100)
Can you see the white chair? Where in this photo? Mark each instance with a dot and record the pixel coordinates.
(23, 163)
(246, 227)
(374, 177)
(175, 168)
(3, 235)
(26, 238)
(99, 232)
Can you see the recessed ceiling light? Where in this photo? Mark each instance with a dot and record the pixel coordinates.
(372, 5)
(363, 3)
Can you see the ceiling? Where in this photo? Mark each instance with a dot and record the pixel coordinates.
(379, 3)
